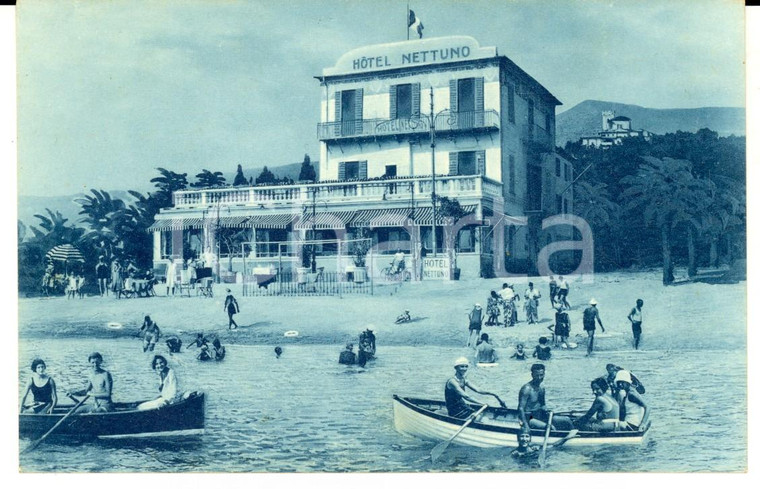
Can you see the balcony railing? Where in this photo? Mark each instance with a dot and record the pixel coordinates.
(447, 121)
(341, 192)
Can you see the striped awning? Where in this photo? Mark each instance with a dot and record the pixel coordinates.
(270, 221)
(423, 216)
(382, 217)
(325, 220)
(233, 221)
(176, 223)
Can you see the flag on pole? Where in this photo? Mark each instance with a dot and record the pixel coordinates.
(415, 23)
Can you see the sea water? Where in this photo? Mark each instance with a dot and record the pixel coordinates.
(304, 412)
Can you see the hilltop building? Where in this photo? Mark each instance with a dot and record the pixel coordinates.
(614, 130)
(492, 128)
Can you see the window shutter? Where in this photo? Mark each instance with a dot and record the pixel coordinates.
(363, 170)
(415, 99)
(480, 162)
(338, 112)
(359, 104)
(453, 163)
(342, 170)
(453, 95)
(393, 94)
(479, 94)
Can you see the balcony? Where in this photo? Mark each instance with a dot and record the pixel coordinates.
(363, 194)
(481, 120)
(537, 138)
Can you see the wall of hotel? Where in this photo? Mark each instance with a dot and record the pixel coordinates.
(410, 159)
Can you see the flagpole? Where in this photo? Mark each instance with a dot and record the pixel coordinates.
(407, 21)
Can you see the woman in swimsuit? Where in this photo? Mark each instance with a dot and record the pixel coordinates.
(42, 387)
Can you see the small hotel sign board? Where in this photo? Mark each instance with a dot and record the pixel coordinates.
(409, 53)
(435, 268)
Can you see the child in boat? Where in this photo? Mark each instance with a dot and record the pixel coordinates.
(542, 350)
(519, 353)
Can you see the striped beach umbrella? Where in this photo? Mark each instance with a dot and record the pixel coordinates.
(65, 253)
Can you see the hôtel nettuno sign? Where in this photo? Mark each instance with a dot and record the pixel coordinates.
(410, 53)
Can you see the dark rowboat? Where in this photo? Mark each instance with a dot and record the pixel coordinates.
(184, 417)
(497, 427)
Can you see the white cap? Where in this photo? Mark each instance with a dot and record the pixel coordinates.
(477, 305)
(623, 376)
(593, 302)
(461, 361)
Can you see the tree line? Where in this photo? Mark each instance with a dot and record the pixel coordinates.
(678, 199)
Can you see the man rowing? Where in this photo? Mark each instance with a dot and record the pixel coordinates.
(532, 402)
(455, 392)
(99, 387)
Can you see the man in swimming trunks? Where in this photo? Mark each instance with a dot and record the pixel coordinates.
(590, 318)
(151, 334)
(532, 402)
(455, 395)
(605, 409)
(636, 318)
(484, 350)
(98, 387)
(633, 409)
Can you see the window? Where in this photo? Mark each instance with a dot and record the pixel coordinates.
(531, 119)
(557, 167)
(568, 172)
(511, 174)
(466, 240)
(466, 163)
(352, 170)
(548, 123)
(349, 106)
(511, 102)
(559, 204)
(466, 94)
(390, 170)
(404, 101)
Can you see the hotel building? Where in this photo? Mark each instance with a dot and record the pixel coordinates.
(399, 121)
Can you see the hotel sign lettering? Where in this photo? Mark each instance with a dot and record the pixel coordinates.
(410, 53)
(435, 268)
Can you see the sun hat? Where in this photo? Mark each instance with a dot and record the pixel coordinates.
(623, 376)
(461, 361)
(593, 302)
(477, 305)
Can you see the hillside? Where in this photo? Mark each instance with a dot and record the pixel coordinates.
(585, 119)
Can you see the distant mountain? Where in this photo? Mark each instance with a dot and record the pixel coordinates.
(585, 119)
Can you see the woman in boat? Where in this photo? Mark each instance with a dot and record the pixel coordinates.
(167, 385)
(42, 387)
(633, 409)
(605, 409)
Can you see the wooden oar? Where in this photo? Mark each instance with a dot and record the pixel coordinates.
(542, 455)
(35, 444)
(438, 450)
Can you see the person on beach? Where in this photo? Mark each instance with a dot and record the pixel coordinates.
(42, 387)
(455, 391)
(99, 385)
(562, 325)
(115, 277)
(150, 333)
(204, 349)
(508, 297)
(484, 351)
(552, 289)
(531, 403)
(219, 350)
(277, 351)
(48, 279)
(605, 410)
(542, 350)
(531, 303)
(563, 288)
(174, 344)
(635, 317)
(634, 411)
(476, 324)
(167, 385)
(171, 277)
(519, 353)
(347, 356)
(403, 318)
(101, 273)
(590, 318)
(232, 308)
(492, 309)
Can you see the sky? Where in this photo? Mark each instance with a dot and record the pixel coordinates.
(110, 90)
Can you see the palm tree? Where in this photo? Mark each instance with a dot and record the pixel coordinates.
(207, 178)
(167, 183)
(666, 193)
(98, 210)
(724, 214)
(592, 202)
(55, 230)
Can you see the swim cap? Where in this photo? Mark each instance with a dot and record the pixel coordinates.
(461, 361)
(623, 376)
(593, 302)
(477, 305)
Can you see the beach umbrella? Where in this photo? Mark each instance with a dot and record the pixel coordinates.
(65, 253)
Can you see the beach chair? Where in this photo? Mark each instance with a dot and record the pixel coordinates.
(205, 287)
(185, 282)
